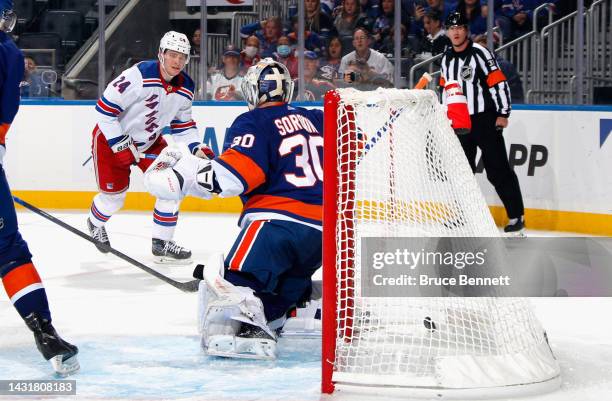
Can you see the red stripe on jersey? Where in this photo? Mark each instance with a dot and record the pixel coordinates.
(312, 212)
(186, 91)
(250, 172)
(108, 108)
(183, 125)
(246, 244)
(20, 278)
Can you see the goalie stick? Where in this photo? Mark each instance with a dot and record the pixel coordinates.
(189, 286)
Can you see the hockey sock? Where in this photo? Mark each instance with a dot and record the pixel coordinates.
(165, 216)
(104, 206)
(26, 291)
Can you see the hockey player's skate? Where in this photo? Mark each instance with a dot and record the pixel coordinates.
(99, 234)
(251, 342)
(170, 253)
(304, 321)
(60, 353)
(515, 227)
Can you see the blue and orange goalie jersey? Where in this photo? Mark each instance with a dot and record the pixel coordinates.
(272, 157)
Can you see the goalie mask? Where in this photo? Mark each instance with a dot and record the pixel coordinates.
(8, 19)
(174, 41)
(267, 81)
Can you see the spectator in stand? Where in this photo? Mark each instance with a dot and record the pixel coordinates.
(314, 88)
(195, 42)
(470, 9)
(286, 55)
(383, 25)
(250, 55)
(516, 17)
(225, 84)
(317, 21)
(360, 75)
(512, 76)
(436, 40)
(377, 62)
(328, 6)
(312, 41)
(371, 8)
(421, 7)
(387, 45)
(267, 31)
(348, 16)
(329, 69)
(32, 84)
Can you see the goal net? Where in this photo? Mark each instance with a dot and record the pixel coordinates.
(394, 168)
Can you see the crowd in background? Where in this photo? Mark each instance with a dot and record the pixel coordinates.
(351, 42)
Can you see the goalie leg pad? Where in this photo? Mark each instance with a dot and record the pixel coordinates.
(224, 310)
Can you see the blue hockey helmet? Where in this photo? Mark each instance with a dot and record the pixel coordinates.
(8, 19)
(267, 81)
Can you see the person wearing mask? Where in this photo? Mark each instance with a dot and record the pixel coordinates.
(250, 54)
(284, 54)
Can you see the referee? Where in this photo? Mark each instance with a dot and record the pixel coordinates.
(488, 96)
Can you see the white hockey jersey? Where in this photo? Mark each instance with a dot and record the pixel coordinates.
(219, 87)
(140, 103)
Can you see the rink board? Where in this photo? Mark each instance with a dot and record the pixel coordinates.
(561, 154)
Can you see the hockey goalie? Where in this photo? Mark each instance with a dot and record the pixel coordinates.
(272, 159)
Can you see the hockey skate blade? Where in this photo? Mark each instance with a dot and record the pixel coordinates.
(65, 368)
(229, 346)
(162, 260)
(515, 234)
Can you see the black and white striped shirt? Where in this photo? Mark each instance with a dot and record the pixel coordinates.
(483, 82)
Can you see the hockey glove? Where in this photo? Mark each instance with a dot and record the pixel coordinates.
(202, 151)
(125, 151)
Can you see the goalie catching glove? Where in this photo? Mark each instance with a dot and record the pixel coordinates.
(176, 173)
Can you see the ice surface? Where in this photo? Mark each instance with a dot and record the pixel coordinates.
(138, 338)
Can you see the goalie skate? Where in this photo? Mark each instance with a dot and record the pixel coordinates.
(251, 342)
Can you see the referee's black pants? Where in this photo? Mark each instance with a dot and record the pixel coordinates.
(491, 142)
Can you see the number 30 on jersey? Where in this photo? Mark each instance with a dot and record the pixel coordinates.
(306, 158)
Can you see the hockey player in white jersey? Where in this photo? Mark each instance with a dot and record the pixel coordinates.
(271, 158)
(131, 113)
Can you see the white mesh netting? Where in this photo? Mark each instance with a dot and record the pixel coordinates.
(402, 173)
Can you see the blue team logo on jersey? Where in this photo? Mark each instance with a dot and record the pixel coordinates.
(605, 127)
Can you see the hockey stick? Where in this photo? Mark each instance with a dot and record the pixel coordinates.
(142, 156)
(371, 142)
(189, 286)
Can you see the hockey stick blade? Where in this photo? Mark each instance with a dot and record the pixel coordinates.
(189, 286)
